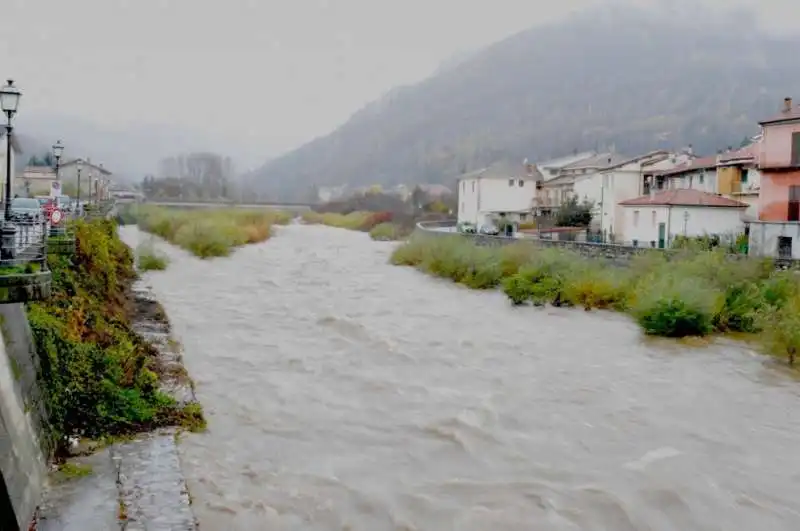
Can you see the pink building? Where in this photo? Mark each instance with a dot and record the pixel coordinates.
(777, 231)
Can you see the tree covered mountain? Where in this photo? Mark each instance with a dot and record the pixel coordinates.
(613, 78)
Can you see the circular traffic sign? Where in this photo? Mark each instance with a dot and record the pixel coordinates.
(55, 216)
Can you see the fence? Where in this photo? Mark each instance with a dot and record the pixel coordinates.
(24, 275)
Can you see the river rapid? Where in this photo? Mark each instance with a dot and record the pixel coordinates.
(343, 393)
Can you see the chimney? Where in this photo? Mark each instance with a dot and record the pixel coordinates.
(787, 104)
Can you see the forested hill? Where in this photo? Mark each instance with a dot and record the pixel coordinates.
(633, 80)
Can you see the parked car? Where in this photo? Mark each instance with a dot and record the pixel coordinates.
(466, 227)
(489, 229)
(25, 209)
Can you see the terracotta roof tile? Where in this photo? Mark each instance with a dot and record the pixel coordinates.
(747, 152)
(792, 114)
(684, 197)
(704, 163)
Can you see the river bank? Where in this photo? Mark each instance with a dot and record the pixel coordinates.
(691, 294)
(117, 393)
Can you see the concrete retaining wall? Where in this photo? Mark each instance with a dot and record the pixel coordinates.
(618, 254)
(23, 464)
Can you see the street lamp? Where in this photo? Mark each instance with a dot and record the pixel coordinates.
(9, 100)
(58, 150)
(78, 167)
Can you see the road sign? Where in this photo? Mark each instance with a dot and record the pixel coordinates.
(55, 189)
(55, 216)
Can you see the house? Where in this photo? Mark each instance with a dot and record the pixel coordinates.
(89, 173)
(559, 182)
(776, 233)
(501, 190)
(604, 189)
(694, 173)
(738, 177)
(36, 180)
(16, 150)
(655, 219)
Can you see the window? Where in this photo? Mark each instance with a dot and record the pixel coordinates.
(744, 176)
(653, 218)
(523, 217)
(473, 186)
(795, 149)
(635, 218)
(463, 186)
(784, 247)
(521, 183)
(701, 178)
(794, 204)
(511, 182)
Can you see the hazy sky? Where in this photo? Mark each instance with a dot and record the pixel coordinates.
(269, 74)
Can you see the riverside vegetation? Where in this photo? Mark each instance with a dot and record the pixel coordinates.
(98, 377)
(689, 293)
(209, 233)
(379, 225)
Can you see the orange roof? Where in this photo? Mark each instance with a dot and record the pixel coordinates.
(684, 197)
(793, 113)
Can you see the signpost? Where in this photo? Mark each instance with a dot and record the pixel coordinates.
(55, 189)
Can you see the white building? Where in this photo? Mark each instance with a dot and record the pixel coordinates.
(15, 151)
(654, 220)
(619, 182)
(500, 189)
(775, 239)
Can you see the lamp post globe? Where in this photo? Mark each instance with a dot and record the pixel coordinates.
(58, 150)
(9, 98)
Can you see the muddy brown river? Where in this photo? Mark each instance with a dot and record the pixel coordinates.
(343, 393)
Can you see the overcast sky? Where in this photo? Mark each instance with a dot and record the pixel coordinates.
(270, 74)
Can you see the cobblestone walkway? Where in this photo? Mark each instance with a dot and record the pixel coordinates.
(134, 486)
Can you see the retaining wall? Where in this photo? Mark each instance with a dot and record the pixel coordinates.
(23, 464)
(618, 254)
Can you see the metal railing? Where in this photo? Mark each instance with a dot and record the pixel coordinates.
(24, 275)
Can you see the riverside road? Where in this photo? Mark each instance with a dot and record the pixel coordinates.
(346, 393)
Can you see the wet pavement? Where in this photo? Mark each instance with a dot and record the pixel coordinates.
(135, 485)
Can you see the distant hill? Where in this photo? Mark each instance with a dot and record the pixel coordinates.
(627, 79)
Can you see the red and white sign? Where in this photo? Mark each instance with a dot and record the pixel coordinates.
(55, 217)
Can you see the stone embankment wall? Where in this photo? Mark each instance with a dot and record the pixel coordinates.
(23, 463)
(618, 254)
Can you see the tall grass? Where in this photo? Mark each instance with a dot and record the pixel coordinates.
(692, 293)
(212, 232)
(148, 259)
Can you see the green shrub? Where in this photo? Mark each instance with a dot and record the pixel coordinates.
(148, 259)
(387, 232)
(518, 289)
(676, 307)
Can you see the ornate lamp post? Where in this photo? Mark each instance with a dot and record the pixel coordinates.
(58, 150)
(9, 100)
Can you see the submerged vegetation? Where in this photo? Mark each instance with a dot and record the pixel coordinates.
(690, 294)
(99, 378)
(208, 233)
(148, 259)
(379, 225)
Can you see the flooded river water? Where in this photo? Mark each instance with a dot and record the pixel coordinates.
(343, 393)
